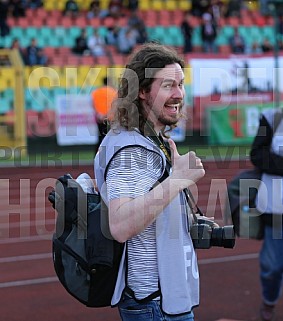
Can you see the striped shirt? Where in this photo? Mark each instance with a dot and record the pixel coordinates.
(132, 173)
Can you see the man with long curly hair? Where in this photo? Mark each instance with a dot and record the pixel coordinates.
(141, 178)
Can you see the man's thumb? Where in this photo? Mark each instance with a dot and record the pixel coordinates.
(173, 148)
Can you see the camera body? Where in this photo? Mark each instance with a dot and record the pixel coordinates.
(205, 234)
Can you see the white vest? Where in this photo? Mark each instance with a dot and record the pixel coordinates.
(270, 194)
(177, 262)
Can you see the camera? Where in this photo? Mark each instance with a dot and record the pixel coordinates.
(204, 235)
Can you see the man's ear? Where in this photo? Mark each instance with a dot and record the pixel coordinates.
(142, 94)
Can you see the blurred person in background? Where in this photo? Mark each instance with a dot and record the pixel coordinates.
(33, 4)
(199, 7)
(95, 11)
(102, 99)
(16, 45)
(234, 8)
(81, 46)
(96, 44)
(35, 55)
(135, 22)
(4, 10)
(71, 9)
(187, 31)
(17, 8)
(266, 45)
(267, 155)
(237, 42)
(208, 33)
(127, 40)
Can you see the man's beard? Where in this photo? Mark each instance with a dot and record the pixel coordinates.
(160, 117)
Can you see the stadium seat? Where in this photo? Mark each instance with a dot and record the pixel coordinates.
(73, 60)
(17, 32)
(32, 32)
(184, 5)
(196, 37)
(87, 60)
(165, 18)
(46, 32)
(94, 22)
(81, 22)
(157, 4)
(144, 5)
(268, 32)
(171, 5)
(174, 36)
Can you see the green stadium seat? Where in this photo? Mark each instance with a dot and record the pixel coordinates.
(17, 32)
(5, 105)
(157, 33)
(268, 32)
(196, 37)
(8, 93)
(228, 31)
(75, 32)
(32, 32)
(46, 32)
(174, 36)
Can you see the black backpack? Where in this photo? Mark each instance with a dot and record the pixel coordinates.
(85, 256)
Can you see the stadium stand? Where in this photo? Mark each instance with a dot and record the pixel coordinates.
(56, 34)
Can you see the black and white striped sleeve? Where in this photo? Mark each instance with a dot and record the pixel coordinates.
(132, 172)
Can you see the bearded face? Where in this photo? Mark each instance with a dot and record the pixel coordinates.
(164, 101)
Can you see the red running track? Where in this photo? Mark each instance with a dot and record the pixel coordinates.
(29, 289)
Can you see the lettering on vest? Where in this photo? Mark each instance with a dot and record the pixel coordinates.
(190, 262)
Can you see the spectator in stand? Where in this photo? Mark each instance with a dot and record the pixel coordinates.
(4, 10)
(71, 9)
(96, 44)
(237, 42)
(95, 11)
(112, 35)
(256, 48)
(187, 31)
(208, 33)
(217, 10)
(133, 5)
(233, 8)
(266, 45)
(33, 4)
(17, 8)
(115, 8)
(135, 22)
(81, 47)
(35, 55)
(199, 7)
(16, 45)
(127, 40)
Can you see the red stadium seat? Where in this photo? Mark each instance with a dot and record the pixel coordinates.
(95, 22)
(87, 60)
(81, 22)
(72, 60)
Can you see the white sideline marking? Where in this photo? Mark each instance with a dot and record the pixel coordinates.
(240, 257)
(30, 257)
(15, 240)
(28, 282)
(41, 256)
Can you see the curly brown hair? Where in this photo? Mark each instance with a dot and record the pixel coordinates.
(127, 110)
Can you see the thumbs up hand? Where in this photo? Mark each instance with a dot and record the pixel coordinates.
(187, 168)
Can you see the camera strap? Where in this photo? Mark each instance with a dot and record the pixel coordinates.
(164, 146)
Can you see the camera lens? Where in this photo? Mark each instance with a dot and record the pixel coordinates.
(223, 237)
